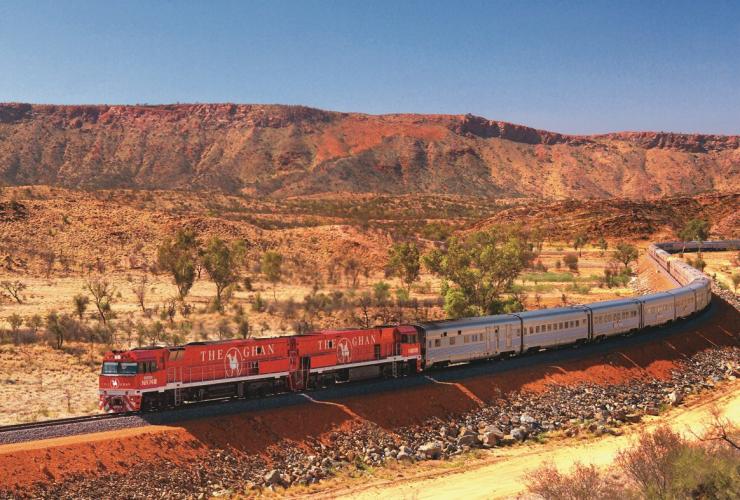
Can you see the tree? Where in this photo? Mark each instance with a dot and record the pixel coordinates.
(364, 302)
(219, 262)
(571, 260)
(625, 253)
(49, 257)
(102, 292)
(404, 262)
(80, 302)
(272, 268)
(54, 329)
(694, 230)
(14, 289)
(579, 242)
(15, 321)
(352, 271)
(481, 267)
(140, 289)
(34, 323)
(178, 256)
(381, 292)
(603, 245)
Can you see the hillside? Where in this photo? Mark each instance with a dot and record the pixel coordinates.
(281, 151)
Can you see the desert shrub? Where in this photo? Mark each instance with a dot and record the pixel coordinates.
(584, 482)
(571, 261)
(259, 303)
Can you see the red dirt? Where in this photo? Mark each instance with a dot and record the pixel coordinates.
(54, 460)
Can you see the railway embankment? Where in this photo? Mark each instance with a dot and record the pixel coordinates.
(571, 394)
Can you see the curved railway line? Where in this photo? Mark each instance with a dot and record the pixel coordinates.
(32, 431)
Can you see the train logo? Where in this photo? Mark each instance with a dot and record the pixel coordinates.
(114, 383)
(344, 355)
(232, 362)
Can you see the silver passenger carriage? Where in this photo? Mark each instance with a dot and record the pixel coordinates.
(612, 317)
(466, 339)
(657, 308)
(553, 327)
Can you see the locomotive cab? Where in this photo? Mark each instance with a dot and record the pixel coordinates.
(125, 376)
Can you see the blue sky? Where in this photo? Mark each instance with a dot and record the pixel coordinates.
(575, 67)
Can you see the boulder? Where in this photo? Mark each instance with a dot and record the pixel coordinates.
(432, 449)
(273, 477)
(519, 433)
(490, 436)
(632, 418)
(675, 398)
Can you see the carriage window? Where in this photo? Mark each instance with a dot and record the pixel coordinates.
(444, 334)
(452, 340)
(537, 329)
(466, 339)
(330, 343)
(437, 343)
(459, 332)
(578, 322)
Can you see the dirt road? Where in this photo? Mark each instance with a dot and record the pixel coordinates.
(500, 473)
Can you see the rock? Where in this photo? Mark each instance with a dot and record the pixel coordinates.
(273, 477)
(490, 436)
(405, 457)
(675, 398)
(519, 433)
(652, 410)
(467, 440)
(432, 449)
(507, 440)
(632, 418)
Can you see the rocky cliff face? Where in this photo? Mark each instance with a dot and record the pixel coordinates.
(293, 150)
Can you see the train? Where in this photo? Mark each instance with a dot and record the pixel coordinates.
(159, 377)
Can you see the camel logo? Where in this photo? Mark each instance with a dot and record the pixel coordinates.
(344, 355)
(232, 362)
(114, 383)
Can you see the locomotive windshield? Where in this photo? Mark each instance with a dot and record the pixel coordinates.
(112, 368)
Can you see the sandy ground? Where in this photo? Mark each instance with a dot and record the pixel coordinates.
(501, 473)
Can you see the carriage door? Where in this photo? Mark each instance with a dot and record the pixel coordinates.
(508, 337)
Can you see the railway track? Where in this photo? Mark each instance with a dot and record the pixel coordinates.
(62, 421)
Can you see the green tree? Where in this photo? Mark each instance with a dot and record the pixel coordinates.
(481, 267)
(382, 292)
(80, 302)
(579, 242)
(54, 329)
(694, 230)
(16, 321)
(178, 256)
(404, 262)
(625, 253)
(272, 268)
(219, 261)
(603, 245)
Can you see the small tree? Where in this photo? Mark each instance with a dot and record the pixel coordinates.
(695, 229)
(571, 260)
(364, 301)
(404, 262)
(218, 259)
(54, 329)
(14, 289)
(579, 242)
(381, 292)
(603, 245)
(80, 303)
(16, 321)
(34, 323)
(625, 253)
(272, 268)
(178, 256)
(102, 292)
(140, 290)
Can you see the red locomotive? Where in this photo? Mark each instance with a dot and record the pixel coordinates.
(160, 377)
